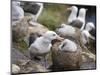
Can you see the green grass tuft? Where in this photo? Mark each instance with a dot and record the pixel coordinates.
(53, 15)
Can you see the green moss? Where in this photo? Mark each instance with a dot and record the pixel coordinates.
(21, 45)
(52, 15)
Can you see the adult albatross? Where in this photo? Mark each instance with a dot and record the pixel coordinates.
(79, 22)
(88, 32)
(42, 45)
(73, 14)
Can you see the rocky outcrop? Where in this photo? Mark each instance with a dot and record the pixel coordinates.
(25, 64)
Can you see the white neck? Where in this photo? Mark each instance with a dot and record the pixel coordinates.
(82, 15)
(40, 11)
(72, 16)
(43, 45)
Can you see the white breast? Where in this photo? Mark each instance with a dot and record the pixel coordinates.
(42, 47)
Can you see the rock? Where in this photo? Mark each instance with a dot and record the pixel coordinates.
(28, 66)
(25, 63)
(15, 69)
(16, 55)
(37, 28)
(88, 62)
(20, 29)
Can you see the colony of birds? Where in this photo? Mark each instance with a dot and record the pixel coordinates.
(67, 45)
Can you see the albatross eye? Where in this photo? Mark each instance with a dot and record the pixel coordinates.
(54, 34)
(63, 45)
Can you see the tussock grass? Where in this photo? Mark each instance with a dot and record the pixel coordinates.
(53, 15)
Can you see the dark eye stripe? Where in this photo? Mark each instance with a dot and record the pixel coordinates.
(63, 45)
(54, 34)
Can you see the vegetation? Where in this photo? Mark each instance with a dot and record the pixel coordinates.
(53, 15)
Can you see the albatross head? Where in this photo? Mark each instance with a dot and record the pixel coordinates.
(68, 45)
(73, 14)
(73, 8)
(51, 35)
(82, 13)
(16, 3)
(90, 26)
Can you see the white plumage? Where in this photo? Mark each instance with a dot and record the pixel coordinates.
(65, 30)
(73, 14)
(85, 33)
(43, 44)
(89, 26)
(17, 12)
(79, 22)
(40, 11)
(68, 45)
(82, 16)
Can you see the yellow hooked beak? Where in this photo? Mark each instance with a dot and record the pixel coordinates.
(59, 38)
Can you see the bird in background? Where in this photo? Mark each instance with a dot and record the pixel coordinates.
(17, 12)
(73, 14)
(86, 33)
(77, 21)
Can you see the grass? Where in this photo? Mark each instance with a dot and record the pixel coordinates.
(21, 45)
(53, 15)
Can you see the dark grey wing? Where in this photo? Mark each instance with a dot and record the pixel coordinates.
(33, 37)
(93, 32)
(76, 23)
(31, 8)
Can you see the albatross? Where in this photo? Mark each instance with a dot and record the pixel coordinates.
(42, 45)
(73, 15)
(68, 45)
(79, 22)
(65, 30)
(17, 12)
(88, 32)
